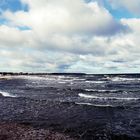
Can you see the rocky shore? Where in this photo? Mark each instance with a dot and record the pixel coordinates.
(29, 119)
(14, 131)
(20, 119)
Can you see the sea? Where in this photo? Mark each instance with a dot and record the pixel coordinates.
(108, 102)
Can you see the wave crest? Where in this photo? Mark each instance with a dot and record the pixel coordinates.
(105, 98)
(6, 94)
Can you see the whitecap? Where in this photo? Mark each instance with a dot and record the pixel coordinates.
(36, 78)
(96, 82)
(5, 77)
(115, 79)
(96, 90)
(96, 105)
(61, 82)
(6, 94)
(84, 104)
(105, 98)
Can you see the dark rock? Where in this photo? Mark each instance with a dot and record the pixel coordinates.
(13, 131)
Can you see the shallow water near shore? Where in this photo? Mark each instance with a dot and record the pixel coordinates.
(82, 106)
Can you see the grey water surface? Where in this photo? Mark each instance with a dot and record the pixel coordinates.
(83, 106)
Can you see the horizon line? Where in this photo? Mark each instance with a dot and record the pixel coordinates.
(61, 73)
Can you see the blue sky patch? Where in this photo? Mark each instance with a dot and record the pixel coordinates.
(12, 5)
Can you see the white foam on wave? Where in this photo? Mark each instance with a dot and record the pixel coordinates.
(7, 77)
(32, 77)
(61, 82)
(84, 103)
(59, 79)
(6, 94)
(95, 82)
(105, 98)
(96, 90)
(96, 105)
(124, 79)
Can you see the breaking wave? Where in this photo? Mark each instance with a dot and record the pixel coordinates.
(96, 105)
(95, 90)
(95, 82)
(105, 98)
(6, 94)
(115, 79)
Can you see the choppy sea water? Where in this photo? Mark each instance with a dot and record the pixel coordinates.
(95, 90)
(117, 94)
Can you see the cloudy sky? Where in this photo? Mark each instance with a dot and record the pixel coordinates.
(91, 36)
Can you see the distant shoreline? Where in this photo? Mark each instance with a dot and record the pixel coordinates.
(26, 73)
(21, 73)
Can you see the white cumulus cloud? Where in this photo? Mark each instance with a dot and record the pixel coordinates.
(68, 36)
(132, 6)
